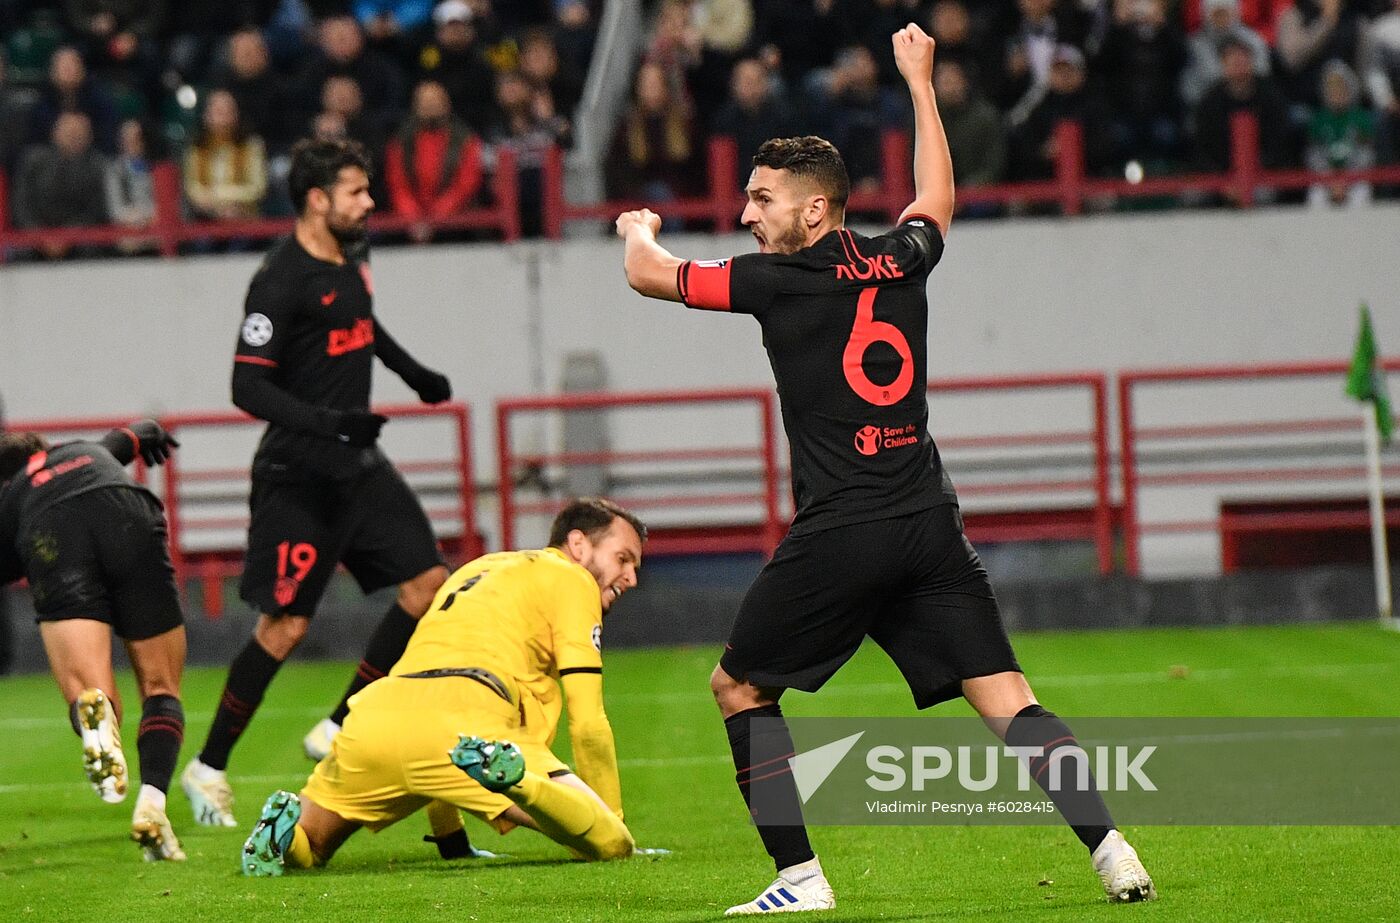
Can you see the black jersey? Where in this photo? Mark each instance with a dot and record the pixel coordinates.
(60, 473)
(309, 332)
(845, 323)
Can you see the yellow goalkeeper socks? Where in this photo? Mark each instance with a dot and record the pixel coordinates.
(572, 818)
(299, 854)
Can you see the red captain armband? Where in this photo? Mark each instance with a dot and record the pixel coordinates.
(704, 284)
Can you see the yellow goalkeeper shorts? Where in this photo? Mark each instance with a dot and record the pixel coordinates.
(390, 758)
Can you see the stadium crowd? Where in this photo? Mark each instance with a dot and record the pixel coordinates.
(93, 91)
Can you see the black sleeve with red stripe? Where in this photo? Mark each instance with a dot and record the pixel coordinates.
(742, 285)
(268, 315)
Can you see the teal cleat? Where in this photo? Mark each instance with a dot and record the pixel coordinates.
(266, 846)
(495, 764)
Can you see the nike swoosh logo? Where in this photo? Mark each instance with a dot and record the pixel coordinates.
(328, 299)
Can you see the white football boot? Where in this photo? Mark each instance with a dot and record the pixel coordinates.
(787, 896)
(1124, 879)
(150, 828)
(210, 795)
(103, 760)
(318, 740)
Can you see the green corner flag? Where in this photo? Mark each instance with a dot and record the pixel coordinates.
(1366, 380)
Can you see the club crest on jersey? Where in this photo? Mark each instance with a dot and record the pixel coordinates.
(598, 638)
(257, 329)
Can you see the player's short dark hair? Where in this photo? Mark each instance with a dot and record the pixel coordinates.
(15, 450)
(810, 158)
(593, 516)
(317, 164)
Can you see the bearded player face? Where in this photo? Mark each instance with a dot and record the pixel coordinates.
(349, 205)
(778, 210)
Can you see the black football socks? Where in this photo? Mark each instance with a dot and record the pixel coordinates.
(1083, 810)
(765, 779)
(159, 738)
(385, 648)
(248, 678)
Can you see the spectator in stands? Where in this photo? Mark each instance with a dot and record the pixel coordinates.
(1341, 136)
(1380, 55)
(1032, 145)
(1032, 37)
(654, 153)
(341, 52)
(879, 19)
(574, 34)
(723, 28)
(119, 38)
(433, 166)
(454, 59)
(1140, 64)
(130, 185)
(225, 169)
(1311, 33)
(528, 126)
(1259, 16)
(394, 26)
(197, 30)
(676, 45)
(261, 93)
(60, 184)
(950, 24)
(972, 124)
(70, 89)
(341, 96)
(542, 69)
(1241, 89)
(796, 37)
(853, 110)
(1222, 19)
(15, 104)
(753, 114)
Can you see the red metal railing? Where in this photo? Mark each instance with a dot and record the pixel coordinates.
(1089, 469)
(760, 535)
(170, 229)
(1069, 188)
(1218, 453)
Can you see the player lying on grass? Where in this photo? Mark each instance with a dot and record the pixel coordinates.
(485, 664)
(92, 543)
(876, 547)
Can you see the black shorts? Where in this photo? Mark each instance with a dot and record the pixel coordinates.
(913, 584)
(300, 530)
(103, 555)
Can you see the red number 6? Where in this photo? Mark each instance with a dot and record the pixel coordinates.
(868, 330)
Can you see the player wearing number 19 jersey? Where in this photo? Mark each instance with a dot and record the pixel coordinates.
(876, 547)
(322, 491)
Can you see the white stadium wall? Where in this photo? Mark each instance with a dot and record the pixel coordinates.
(150, 336)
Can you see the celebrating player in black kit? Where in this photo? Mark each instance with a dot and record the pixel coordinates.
(92, 543)
(876, 547)
(322, 490)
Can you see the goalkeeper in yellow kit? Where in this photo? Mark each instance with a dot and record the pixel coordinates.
(484, 666)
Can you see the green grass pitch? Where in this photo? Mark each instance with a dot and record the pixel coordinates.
(63, 854)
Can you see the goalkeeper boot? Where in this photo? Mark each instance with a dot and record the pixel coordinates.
(1124, 879)
(317, 742)
(264, 852)
(103, 760)
(150, 828)
(210, 795)
(496, 765)
(787, 896)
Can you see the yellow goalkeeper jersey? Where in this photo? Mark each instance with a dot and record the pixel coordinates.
(535, 619)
